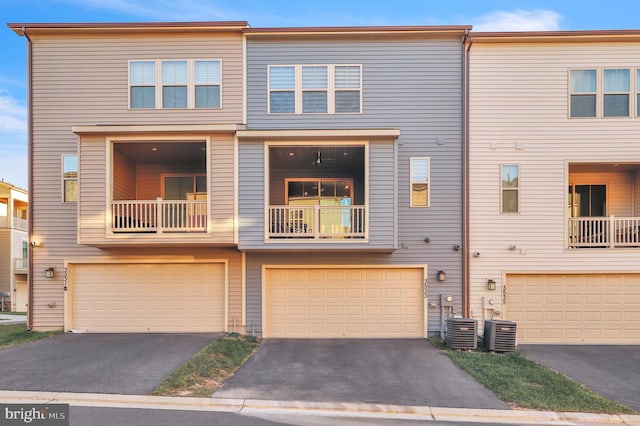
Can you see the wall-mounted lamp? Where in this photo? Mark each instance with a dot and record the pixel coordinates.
(35, 243)
(457, 247)
(442, 276)
(49, 272)
(491, 284)
(476, 254)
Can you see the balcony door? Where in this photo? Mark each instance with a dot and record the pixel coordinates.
(588, 200)
(185, 187)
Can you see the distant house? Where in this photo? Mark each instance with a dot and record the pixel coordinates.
(555, 184)
(14, 247)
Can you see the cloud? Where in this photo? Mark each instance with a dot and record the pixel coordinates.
(519, 20)
(13, 115)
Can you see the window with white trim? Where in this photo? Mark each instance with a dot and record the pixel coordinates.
(191, 83)
(510, 188)
(602, 92)
(69, 178)
(419, 170)
(315, 89)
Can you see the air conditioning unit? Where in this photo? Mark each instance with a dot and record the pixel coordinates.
(462, 333)
(500, 335)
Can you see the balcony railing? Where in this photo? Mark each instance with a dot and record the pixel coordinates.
(16, 223)
(158, 216)
(604, 232)
(316, 222)
(20, 265)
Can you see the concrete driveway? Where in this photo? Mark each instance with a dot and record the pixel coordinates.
(403, 372)
(102, 363)
(611, 371)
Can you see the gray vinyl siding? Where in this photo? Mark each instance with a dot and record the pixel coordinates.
(82, 80)
(410, 84)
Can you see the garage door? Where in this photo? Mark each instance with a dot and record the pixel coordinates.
(148, 297)
(344, 303)
(587, 309)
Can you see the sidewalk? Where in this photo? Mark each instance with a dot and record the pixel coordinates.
(12, 319)
(347, 410)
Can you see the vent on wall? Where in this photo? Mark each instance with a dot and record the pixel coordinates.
(462, 333)
(500, 335)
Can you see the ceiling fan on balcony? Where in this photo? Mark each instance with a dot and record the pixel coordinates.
(320, 159)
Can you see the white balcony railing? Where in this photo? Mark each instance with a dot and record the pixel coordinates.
(20, 265)
(604, 232)
(158, 216)
(16, 223)
(316, 222)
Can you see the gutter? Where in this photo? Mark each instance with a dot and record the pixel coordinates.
(467, 42)
(30, 178)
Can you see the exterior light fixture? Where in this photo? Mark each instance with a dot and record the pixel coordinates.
(35, 243)
(442, 276)
(49, 272)
(491, 284)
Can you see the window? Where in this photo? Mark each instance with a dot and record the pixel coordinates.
(183, 84)
(583, 93)
(588, 200)
(616, 93)
(142, 84)
(510, 187)
(314, 89)
(70, 178)
(419, 171)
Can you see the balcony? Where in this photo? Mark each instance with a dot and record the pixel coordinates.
(20, 266)
(158, 216)
(317, 222)
(604, 232)
(16, 223)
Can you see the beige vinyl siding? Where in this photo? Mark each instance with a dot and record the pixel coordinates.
(21, 294)
(5, 260)
(519, 115)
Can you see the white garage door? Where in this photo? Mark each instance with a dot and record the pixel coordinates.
(148, 297)
(344, 303)
(578, 309)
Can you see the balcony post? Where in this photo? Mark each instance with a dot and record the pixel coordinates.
(159, 218)
(316, 222)
(612, 234)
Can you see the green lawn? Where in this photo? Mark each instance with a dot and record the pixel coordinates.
(523, 383)
(15, 334)
(209, 368)
(13, 313)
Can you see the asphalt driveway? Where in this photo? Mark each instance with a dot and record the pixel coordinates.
(611, 371)
(101, 363)
(403, 372)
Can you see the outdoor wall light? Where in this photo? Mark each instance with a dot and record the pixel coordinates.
(491, 284)
(35, 243)
(442, 276)
(49, 272)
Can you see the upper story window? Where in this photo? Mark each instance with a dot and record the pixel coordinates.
(182, 84)
(69, 178)
(601, 92)
(315, 89)
(419, 190)
(510, 188)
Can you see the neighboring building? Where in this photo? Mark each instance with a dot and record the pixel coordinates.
(330, 214)
(132, 176)
(14, 247)
(555, 184)
(350, 180)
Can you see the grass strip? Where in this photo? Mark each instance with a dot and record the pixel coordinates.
(523, 383)
(209, 368)
(15, 334)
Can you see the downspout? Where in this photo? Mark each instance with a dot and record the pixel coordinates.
(467, 41)
(30, 179)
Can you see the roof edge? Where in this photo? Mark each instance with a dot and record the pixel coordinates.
(564, 35)
(105, 26)
(358, 29)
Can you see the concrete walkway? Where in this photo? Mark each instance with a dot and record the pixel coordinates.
(333, 409)
(6, 319)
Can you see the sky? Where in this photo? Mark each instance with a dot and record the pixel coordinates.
(484, 15)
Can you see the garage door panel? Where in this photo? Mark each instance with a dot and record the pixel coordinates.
(575, 309)
(148, 297)
(350, 302)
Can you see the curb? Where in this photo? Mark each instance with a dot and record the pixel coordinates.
(335, 409)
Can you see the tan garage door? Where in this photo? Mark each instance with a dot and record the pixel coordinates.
(587, 309)
(148, 297)
(344, 303)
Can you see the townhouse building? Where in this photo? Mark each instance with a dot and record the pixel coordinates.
(14, 247)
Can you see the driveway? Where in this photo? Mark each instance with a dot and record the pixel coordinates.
(611, 371)
(102, 363)
(403, 372)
